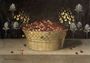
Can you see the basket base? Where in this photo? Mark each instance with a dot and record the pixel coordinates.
(39, 46)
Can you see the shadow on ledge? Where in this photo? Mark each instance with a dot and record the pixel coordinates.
(71, 43)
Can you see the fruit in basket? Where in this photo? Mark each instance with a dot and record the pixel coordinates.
(43, 25)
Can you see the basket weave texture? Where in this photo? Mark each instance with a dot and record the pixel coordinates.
(45, 41)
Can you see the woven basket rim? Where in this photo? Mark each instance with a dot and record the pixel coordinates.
(65, 30)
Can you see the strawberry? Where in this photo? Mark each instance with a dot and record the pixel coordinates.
(43, 25)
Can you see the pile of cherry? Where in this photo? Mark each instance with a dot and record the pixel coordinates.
(43, 25)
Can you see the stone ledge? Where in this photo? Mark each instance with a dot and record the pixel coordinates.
(71, 47)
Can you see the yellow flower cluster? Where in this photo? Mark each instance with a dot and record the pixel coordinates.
(22, 18)
(66, 16)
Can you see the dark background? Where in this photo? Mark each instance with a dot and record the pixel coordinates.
(45, 9)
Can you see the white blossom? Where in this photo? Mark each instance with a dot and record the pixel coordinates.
(79, 25)
(15, 25)
(12, 7)
(6, 26)
(73, 27)
(79, 8)
(87, 28)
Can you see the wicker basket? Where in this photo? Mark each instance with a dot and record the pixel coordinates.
(45, 41)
